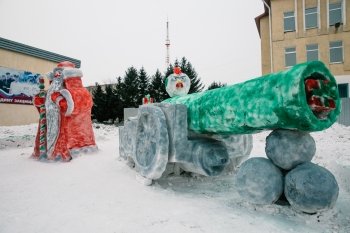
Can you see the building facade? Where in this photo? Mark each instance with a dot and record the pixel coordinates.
(22, 59)
(296, 31)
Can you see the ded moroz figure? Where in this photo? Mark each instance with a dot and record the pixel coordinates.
(68, 115)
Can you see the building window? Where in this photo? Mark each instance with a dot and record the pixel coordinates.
(335, 13)
(312, 52)
(343, 90)
(290, 57)
(311, 17)
(336, 52)
(289, 21)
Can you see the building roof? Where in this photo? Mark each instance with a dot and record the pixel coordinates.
(35, 52)
(266, 12)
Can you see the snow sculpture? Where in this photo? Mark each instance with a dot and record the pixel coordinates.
(152, 143)
(147, 99)
(178, 83)
(310, 188)
(159, 136)
(277, 100)
(307, 187)
(296, 101)
(289, 148)
(40, 141)
(291, 151)
(68, 115)
(259, 181)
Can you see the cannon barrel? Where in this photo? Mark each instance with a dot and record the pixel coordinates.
(304, 97)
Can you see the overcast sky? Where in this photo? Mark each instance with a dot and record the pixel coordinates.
(219, 37)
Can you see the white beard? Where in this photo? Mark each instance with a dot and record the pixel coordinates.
(52, 116)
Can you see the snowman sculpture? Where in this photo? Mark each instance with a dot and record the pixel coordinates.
(178, 83)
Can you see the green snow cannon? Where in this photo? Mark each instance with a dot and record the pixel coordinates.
(304, 97)
(216, 136)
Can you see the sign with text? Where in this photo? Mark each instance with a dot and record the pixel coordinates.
(18, 86)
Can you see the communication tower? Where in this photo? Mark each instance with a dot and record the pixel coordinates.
(167, 44)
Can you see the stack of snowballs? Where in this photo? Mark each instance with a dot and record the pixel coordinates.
(307, 187)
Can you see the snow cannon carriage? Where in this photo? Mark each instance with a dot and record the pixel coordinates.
(210, 132)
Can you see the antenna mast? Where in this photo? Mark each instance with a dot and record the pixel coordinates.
(167, 44)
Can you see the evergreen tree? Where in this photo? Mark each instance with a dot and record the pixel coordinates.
(214, 85)
(100, 103)
(157, 87)
(169, 70)
(118, 90)
(143, 85)
(111, 103)
(187, 68)
(130, 86)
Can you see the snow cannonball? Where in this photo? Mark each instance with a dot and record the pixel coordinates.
(259, 181)
(289, 148)
(310, 188)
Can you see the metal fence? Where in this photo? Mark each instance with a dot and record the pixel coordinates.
(344, 117)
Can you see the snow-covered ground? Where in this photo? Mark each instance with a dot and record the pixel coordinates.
(99, 193)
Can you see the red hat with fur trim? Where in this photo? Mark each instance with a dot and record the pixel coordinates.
(66, 64)
(69, 70)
